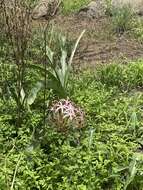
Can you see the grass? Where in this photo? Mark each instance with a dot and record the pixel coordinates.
(73, 6)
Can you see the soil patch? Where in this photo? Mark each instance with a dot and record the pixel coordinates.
(99, 44)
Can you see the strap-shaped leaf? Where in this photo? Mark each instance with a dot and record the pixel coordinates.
(33, 93)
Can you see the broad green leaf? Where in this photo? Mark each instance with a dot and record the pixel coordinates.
(81, 187)
(33, 93)
(50, 54)
(63, 63)
(22, 93)
(75, 47)
(132, 173)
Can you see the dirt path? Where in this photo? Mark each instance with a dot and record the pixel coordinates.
(99, 44)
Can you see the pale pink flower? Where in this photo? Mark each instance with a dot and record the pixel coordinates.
(64, 113)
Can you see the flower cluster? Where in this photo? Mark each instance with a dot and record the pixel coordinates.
(64, 114)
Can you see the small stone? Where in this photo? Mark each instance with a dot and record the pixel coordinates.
(98, 8)
(45, 8)
(94, 9)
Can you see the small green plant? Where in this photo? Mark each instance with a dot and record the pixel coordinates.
(58, 71)
(121, 76)
(122, 19)
(73, 6)
(137, 30)
(109, 7)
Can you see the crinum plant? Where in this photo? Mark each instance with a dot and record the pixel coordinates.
(58, 70)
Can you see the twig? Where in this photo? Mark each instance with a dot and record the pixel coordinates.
(56, 8)
(45, 68)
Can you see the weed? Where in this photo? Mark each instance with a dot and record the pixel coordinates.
(73, 6)
(122, 19)
(137, 30)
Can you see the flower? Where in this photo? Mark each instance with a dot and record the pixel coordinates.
(65, 114)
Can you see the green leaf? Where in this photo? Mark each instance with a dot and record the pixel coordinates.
(33, 93)
(50, 54)
(75, 47)
(22, 93)
(132, 173)
(81, 187)
(63, 62)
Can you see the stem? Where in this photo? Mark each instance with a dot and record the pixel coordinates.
(45, 69)
(19, 103)
(15, 172)
(6, 177)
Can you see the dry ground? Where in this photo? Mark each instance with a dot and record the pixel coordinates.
(99, 44)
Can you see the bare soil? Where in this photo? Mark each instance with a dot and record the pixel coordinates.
(99, 44)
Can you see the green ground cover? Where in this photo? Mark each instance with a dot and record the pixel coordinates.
(108, 153)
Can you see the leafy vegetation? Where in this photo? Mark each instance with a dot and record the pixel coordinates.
(74, 5)
(122, 19)
(62, 130)
(106, 153)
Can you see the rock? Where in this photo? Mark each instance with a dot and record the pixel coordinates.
(94, 9)
(45, 8)
(98, 8)
(135, 5)
(7, 3)
(14, 6)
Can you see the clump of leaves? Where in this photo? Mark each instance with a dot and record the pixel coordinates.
(122, 76)
(58, 72)
(122, 19)
(73, 6)
(137, 30)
